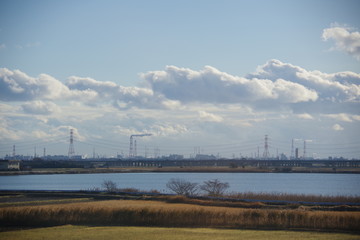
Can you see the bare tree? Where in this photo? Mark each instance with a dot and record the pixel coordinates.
(214, 187)
(109, 186)
(182, 187)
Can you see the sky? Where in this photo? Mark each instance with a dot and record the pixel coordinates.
(209, 77)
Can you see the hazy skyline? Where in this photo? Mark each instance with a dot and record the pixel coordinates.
(201, 76)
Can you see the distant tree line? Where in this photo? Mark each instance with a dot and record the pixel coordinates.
(213, 188)
(40, 163)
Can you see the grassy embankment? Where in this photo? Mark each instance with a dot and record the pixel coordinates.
(144, 233)
(165, 214)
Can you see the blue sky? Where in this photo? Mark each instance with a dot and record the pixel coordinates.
(127, 67)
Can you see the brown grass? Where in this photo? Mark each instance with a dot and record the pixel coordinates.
(294, 197)
(154, 213)
(217, 203)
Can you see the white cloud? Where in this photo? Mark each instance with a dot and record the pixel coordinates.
(337, 92)
(40, 107)
(18, 86)
(120, 96)
(210, 117)
(337, 127)
(356, 117)
(213, 86)
(2, 46)
(346, 39)
(168, 129)
(40, 134)
(65, 130)
(305, 116)
(291, 92)
(273, 85)
(159, 129)
(340, 117)
(6, 131)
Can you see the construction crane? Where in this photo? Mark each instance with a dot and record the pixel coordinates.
(132, 148)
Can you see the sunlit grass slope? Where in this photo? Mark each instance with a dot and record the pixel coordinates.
(143, 233)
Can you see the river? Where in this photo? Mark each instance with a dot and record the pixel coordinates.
(294, 183)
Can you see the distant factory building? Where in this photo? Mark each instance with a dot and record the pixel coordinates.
(176, 157)
(6, 165)
(204, 157)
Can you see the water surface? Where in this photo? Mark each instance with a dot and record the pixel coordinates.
(298, 183)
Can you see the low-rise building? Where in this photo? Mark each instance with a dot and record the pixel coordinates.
(6, 165)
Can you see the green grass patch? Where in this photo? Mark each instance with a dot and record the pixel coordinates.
(141, 233)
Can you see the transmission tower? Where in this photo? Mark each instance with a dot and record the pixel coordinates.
(71, 146)
(13, 151)
(266, 148)
(131, 148)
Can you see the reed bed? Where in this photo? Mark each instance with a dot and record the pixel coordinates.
(154, 213)
(294, 197)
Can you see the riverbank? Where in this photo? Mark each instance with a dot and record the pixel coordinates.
(36, 171)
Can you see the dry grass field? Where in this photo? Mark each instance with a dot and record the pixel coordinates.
(162, 214)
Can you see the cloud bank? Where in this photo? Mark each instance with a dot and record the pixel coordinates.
(213, 86)
(273, 85)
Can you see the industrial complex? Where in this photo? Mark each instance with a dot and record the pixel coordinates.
(297, 158)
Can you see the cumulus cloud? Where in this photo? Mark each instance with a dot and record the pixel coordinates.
(273, 85)
(346, 39)
(213, 86)
(40, 107)
(18, 86)
(121, 97)
(337, 127)
(335, 91)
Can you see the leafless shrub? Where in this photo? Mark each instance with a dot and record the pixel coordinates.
(214, 188)
(182, 187)
(109, 186)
